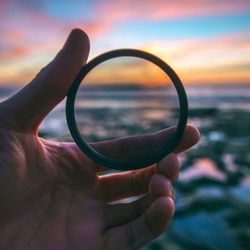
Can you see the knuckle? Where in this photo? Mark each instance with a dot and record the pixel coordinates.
(135, 180)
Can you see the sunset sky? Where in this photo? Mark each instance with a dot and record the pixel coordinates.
(205, 41)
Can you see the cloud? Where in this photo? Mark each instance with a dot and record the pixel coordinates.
(222, 58)
(187, 47)
(13, 53)
(161, 9)
(29, 30)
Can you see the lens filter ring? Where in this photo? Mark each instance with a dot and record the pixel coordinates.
(105, 160)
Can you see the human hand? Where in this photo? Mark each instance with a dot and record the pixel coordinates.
(51, 194)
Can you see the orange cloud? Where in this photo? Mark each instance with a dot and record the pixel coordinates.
(127, 70)
(221, 59)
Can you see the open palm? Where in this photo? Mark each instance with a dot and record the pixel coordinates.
(51, 194)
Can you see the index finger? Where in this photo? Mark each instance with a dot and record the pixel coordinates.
(137, 147)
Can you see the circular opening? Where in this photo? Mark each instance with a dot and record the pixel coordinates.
(118, 109)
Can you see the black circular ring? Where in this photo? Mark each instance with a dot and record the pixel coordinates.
(107, 161)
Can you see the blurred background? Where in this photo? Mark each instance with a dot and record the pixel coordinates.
(207, 42)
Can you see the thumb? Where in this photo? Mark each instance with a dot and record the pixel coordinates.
(50, 86)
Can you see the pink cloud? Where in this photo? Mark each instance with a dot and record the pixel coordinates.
(25, 33)
(162, 9)
(13, 53)
(27, 30)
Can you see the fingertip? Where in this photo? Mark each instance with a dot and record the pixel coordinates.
(77, 46)
(190, 137)
(165, 205)
(169, 167)
(78, 31)
(160, 214)
(80, 34)
(193, 132)
(160, 186)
